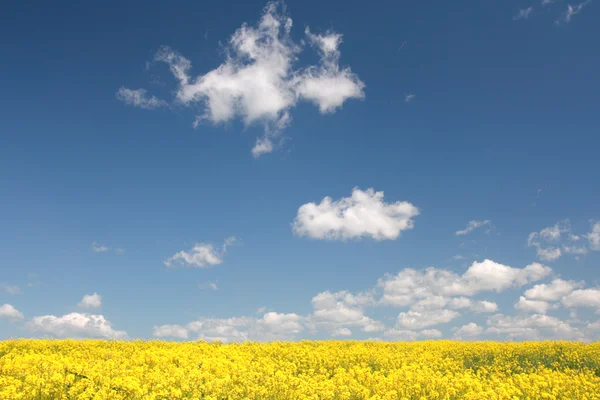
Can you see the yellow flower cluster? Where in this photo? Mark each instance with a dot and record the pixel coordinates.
(93, 369)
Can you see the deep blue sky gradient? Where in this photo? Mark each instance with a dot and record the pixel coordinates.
(502, 108)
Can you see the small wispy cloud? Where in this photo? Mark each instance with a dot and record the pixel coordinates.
(409, 97)
(10, 289)
(99, 248)
(202, 255)
(554, 241)
(546, 2)
(571, 12)
(523, 13)
(139, 98)
(208, 286)
(472, 225)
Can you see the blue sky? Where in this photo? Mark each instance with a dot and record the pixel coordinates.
(213, 170)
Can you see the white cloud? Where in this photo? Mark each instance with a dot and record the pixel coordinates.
(533, 306)
(577, 250)
(523, 13)
(531, 327)
(583, 298)
(208, 285)
(546, 2)
(277, 326)
(409, 97)
(409, 335)
(262, 146)
(9, 289)
(75, 325)
(364, 214)
(431, 333)
(272, 326)
(458, 257)
(491, 276)
(410, 286)
(484, 307)
(7, 311)
(554, 241)
(342, 309)
(436, 302)
(594, 237)
(90, 301)
(257, 81)
(120, 251)
(98, 248)
(432, 297)
(202, 255)
(341, 332)
(327, 86)
(549, 253)
(553, 291)
(472, 225)
(175, 331)
(225, 330)
(572, 11)
(401, 334)
(595, 326)
(139, 98)
(418, 320)
(469, 330)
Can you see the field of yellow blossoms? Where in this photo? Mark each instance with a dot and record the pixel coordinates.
(93, 369)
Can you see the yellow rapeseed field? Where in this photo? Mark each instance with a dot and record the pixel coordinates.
(94, 369)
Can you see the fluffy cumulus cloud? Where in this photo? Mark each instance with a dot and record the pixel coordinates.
(170, 331)
(139, 98)
(235, 329)
(7, 311)
(536, 326)
(75, 325)
(341, 332)
(534, 306)
(553, 291)
(583, 298)
(472, 225)
(332, 311)
(202, 255)
(411, 286)
(555, 241)
(433, 301)
(363, 214)
(468, 331)
(272, 326)
(418, 320)
(396, 334)
(258, 82)
(90, 301)
(277, 326)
